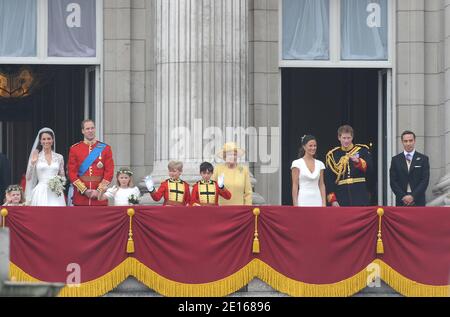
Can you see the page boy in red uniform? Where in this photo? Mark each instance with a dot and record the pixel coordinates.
(174, 190)
(206, 191)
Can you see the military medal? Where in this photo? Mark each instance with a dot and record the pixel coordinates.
(100, 164)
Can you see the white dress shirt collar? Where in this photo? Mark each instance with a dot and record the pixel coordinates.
(411, 153)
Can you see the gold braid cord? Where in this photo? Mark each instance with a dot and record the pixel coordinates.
(343, 166)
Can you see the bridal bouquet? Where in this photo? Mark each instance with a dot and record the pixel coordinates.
(133, 199)
(57, 184)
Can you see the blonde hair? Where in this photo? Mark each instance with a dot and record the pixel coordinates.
(126, 171)
(176, 165)
(15, 188)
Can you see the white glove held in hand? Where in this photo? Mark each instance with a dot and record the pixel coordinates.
(221, 180)
(149, 183)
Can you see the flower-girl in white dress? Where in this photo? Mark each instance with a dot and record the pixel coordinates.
(124, 193)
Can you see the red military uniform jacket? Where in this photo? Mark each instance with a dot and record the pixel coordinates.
(207, 193)
(175, 193)
(98, 176)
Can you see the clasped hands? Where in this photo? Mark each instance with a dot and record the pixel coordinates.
(408, 200)
(92, 193)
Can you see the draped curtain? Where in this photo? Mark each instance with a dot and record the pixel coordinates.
(306, 29)
(360, 38)
(72, 28)
(18, 28)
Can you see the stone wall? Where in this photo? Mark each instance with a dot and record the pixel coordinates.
(264, 90)
(423, 84)
(128, 73)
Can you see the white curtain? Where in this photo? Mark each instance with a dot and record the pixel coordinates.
(306, 29)
(364, 29)
(18, 28)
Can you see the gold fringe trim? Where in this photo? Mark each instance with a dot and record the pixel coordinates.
(94, 288)
(18, 275)
(292, 287)
(236, 281)
(170, 288)
(408, 287)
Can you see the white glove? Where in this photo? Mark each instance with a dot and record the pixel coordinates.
(221, 180)
(149, 183)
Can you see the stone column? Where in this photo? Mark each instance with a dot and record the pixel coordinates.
(442, 189)
(4, 255)
(117, 79)
(201, 80)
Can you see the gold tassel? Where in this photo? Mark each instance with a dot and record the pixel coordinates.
(256, 248)
(4, 213)
(380, 247)
(130, 243)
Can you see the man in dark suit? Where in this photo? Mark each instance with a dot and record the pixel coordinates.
(5, 176)
(409, 173)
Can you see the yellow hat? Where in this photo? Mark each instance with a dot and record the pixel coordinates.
(230, 147)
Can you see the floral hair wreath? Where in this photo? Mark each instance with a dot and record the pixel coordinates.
(13, 188)
(126, 171)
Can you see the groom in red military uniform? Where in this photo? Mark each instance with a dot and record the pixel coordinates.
(90, 167)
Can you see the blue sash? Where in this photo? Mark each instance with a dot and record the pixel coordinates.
(96, 152)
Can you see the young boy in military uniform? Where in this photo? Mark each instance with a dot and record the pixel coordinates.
(206, 192)
(174, 190)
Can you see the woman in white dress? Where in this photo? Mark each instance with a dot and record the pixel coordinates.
(43, 165)
(121, 193)
(308, 187)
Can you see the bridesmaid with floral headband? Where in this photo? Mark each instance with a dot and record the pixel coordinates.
(124, 193)
(14, 196)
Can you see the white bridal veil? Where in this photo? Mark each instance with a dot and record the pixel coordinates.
(31, 175)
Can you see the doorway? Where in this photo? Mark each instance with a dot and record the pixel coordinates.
(64, 96)
(318, 100)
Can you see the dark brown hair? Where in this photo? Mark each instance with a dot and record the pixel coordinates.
(39, 146)
(408, 132)
(305, 140)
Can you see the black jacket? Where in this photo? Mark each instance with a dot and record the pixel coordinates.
(5, 176)
(418, 177)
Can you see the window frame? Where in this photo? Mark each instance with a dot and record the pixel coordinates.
(42, 42)
(335, 60)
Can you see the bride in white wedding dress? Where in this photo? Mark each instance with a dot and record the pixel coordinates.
(43, 165)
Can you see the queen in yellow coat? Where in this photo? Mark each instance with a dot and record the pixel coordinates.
(237, 176)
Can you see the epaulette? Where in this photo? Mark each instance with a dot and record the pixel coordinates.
(363, 145)
(331, 151)
(76, 143)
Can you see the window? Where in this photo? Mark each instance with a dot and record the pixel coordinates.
(336, 33)
(51, 31)
(306, 29)
(18, 28)
(364, 30)
(71, 28)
